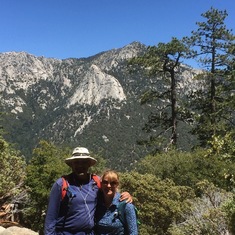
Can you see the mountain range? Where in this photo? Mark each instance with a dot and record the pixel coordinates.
(92, 102)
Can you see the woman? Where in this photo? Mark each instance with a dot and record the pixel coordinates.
(107, 217)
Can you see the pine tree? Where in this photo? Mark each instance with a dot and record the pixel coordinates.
(162, 62)
(47, 164)
(213, 47)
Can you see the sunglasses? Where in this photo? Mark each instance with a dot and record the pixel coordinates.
(112, 183)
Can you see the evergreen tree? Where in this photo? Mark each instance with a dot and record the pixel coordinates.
(213, 46)
(162, 62)
(46, 165)
(12, 170)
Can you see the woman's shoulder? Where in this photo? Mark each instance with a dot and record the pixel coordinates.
(125, 205)
(129, 205)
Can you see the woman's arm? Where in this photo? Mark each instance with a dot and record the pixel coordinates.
(131, 220)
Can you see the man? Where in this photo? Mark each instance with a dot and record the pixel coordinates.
(74, 214)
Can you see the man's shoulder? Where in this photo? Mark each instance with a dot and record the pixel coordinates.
(60, 180)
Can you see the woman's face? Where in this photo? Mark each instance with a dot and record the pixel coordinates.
(109, 185)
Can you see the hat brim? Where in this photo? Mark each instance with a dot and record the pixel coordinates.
(92, 161)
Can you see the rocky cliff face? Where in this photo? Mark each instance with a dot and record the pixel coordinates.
(92, 101)
(87, 80)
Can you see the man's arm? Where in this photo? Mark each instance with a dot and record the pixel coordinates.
(126, 196)
(53, 209)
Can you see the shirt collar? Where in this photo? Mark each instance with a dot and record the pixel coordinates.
(116, 199)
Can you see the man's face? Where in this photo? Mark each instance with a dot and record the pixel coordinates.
(80, 166)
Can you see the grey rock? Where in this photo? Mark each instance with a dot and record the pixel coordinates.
(14, 230)
(1, 229)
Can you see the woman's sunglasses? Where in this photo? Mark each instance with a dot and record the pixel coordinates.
(112, 183)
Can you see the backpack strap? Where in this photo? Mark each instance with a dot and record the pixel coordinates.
(121, 212)
(65, 185)
(122, 215)
(96, 178)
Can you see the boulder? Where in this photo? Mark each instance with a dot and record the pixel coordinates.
(1, 229)
(14, 230)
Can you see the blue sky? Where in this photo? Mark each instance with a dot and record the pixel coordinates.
(82, 28)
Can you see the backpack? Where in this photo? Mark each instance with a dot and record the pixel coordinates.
(67, 190)
(121, 213)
